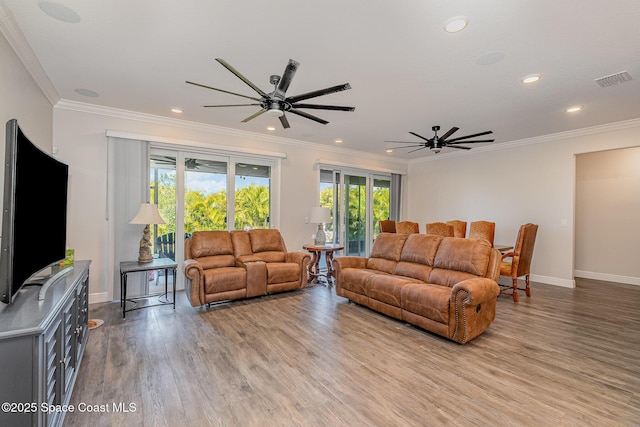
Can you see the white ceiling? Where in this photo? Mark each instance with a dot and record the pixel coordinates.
(406, 72)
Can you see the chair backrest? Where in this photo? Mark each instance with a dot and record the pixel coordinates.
(524, 247)
(166, 245)
(387, 226)
(459, 228)
(407, 227)
(482, 230)
(440, 229)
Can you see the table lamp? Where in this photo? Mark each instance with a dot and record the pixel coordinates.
(320, 215)
(147, 214)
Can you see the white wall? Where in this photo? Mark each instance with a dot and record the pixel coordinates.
(22, 99)
(79, 134)
(607, 214)
(520, 182)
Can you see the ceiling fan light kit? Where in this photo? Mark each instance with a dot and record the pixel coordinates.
(276, 103)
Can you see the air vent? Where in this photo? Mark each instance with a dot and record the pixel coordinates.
(614, 79)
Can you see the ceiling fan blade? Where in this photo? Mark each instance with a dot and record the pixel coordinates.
(442, 138)
(324, 107)
(461, 147)
(231, 105)
(421, 148)
(470, 142)
(226, 65)
(406, 142)
(254, 115)
(284, 121)
(308, 116)
(470, 136)
(221, 90)
(421, 137)
(419, 144)
(320, 92)
(285, 81)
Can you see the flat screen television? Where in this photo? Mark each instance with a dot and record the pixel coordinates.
(34, 216)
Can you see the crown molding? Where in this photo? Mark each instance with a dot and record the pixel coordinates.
(66, 104)
(16, 39)
(592, 130)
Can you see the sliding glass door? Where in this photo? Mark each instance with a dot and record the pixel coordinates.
(358, 201)
(200, 191)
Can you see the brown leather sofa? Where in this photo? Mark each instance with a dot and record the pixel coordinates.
(446, 285)
(223, 265)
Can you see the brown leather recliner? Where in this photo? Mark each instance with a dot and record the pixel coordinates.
(284, 271)
(223, 265)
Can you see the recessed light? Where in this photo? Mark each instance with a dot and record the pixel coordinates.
(338, 141)
(87, 92)
(531, 78)
(271, 128)
(176, 110)
(574, 109)
(389, 150)
(456, 24)
(59, 11)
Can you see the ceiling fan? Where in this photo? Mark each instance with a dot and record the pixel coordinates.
(437, 143)
(277, 103)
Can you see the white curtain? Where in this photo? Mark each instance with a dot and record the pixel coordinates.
(128, 187)
(395, 196)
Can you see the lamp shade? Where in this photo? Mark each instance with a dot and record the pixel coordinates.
(147, 214)
(320, 215)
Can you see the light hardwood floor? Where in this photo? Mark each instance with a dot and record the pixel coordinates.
(564, 357)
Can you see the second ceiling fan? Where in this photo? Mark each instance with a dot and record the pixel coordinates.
(437, 143)
(277, 103)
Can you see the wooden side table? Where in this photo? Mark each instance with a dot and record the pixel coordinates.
(314, 264)
(127, 267)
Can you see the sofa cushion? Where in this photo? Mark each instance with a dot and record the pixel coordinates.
(386, 252)
(266, 240)
(426, 300)
(209, 243)
(355, 279)
(269, 256)
(448, 277)
(217, 261)
(386, 288)
(282, 272)
(465, 255)
(388, 246)
(224, 279)
(416, 271)
(421, 248)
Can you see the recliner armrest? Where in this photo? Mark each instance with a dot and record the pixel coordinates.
(479, 290)
(194, 284)
(297, 257)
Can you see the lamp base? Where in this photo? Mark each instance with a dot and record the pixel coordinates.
(321, 237)
(144, 254)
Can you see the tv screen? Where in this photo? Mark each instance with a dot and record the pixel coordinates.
(34, 221)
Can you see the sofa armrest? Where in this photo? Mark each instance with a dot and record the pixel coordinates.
(478, 290)
(473, 308)
(297, 257)
(194, 286)
(350, 262)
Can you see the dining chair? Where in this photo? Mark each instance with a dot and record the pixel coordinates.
(482, 230)
(440, 229)
(407, 227)
(459, 228)
(387, 226)
(520, 264)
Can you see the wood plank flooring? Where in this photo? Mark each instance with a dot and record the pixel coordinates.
(564, 357)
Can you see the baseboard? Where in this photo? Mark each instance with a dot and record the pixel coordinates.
(556, 281)
(98, 297)
(607, 277)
